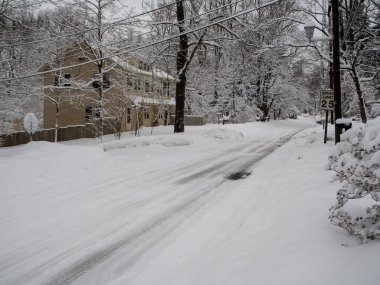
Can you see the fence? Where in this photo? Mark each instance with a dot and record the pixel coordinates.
(193, 120)
(72, 133)
(64, 134)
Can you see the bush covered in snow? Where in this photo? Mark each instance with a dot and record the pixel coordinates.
(30, 123)
(293, 113)
(356, 161)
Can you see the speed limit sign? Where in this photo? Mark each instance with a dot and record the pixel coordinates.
(327, 100)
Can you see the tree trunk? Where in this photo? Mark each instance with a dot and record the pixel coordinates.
(182, 54)
(359, 91)
(56, 122)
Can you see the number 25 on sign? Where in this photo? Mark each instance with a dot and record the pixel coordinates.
(327, 100)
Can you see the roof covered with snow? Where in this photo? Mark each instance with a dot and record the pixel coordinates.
(139, 100)
(156, 72)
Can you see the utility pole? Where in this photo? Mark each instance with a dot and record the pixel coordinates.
(336, 67)
(324, 79)
(331, 73)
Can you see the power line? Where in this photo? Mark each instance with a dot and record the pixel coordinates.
(29, 5)
(114, 23)
(117, 22)
(79, 53)
(168, 24)
(117, 54)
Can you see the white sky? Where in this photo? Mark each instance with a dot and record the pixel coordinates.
(136, 4)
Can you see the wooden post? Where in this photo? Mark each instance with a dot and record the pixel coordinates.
(336, 66)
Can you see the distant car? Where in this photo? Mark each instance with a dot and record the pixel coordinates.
(292, 115)
(319, 120)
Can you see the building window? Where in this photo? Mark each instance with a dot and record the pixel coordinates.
(129, 82)
(64, 80)
(88, 113)
(146, 113)
(98, 110)
(128, 115)
(137, 85)
(165, 87)
(147, 86)
(67, 79)
(158, 89)
(81, 57)
(144, 66)
(160, 114)
(106, 80)
(56, 79)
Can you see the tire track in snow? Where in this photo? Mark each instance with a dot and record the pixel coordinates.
(89, 262)
(239, 163)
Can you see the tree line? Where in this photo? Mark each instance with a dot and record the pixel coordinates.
(248, 59)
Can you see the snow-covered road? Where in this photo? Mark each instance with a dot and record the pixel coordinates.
(184, 191)
(159, 209)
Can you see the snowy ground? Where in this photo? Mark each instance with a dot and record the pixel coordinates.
(160, 209)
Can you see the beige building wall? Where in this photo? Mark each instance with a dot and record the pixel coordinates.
(76, 94)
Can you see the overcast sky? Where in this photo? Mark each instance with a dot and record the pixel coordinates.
(136, 4)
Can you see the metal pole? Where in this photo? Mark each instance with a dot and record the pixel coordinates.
(336, 67)
(326, 125)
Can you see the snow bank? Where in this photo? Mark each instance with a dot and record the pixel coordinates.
(50, 161)
(215, 134)
(356, 161)
(222, 134)
(175, 141)
(167, 141)
(63, 203)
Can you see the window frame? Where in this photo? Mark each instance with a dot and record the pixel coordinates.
(166, 88)
(88, 112)
(137, 84)
(147, 86)
(146, 113)
(67, 80)
(129, 115)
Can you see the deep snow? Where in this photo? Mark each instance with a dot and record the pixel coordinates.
(158, 209)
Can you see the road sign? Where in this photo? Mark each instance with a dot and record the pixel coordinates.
(327, 100)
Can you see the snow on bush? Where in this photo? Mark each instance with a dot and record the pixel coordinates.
(30, 123)
(167, 141)
(356, 161)
(293, 113)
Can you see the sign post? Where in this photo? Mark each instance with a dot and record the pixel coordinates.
(326, 103)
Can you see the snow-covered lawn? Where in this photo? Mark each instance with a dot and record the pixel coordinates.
(158, 209)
